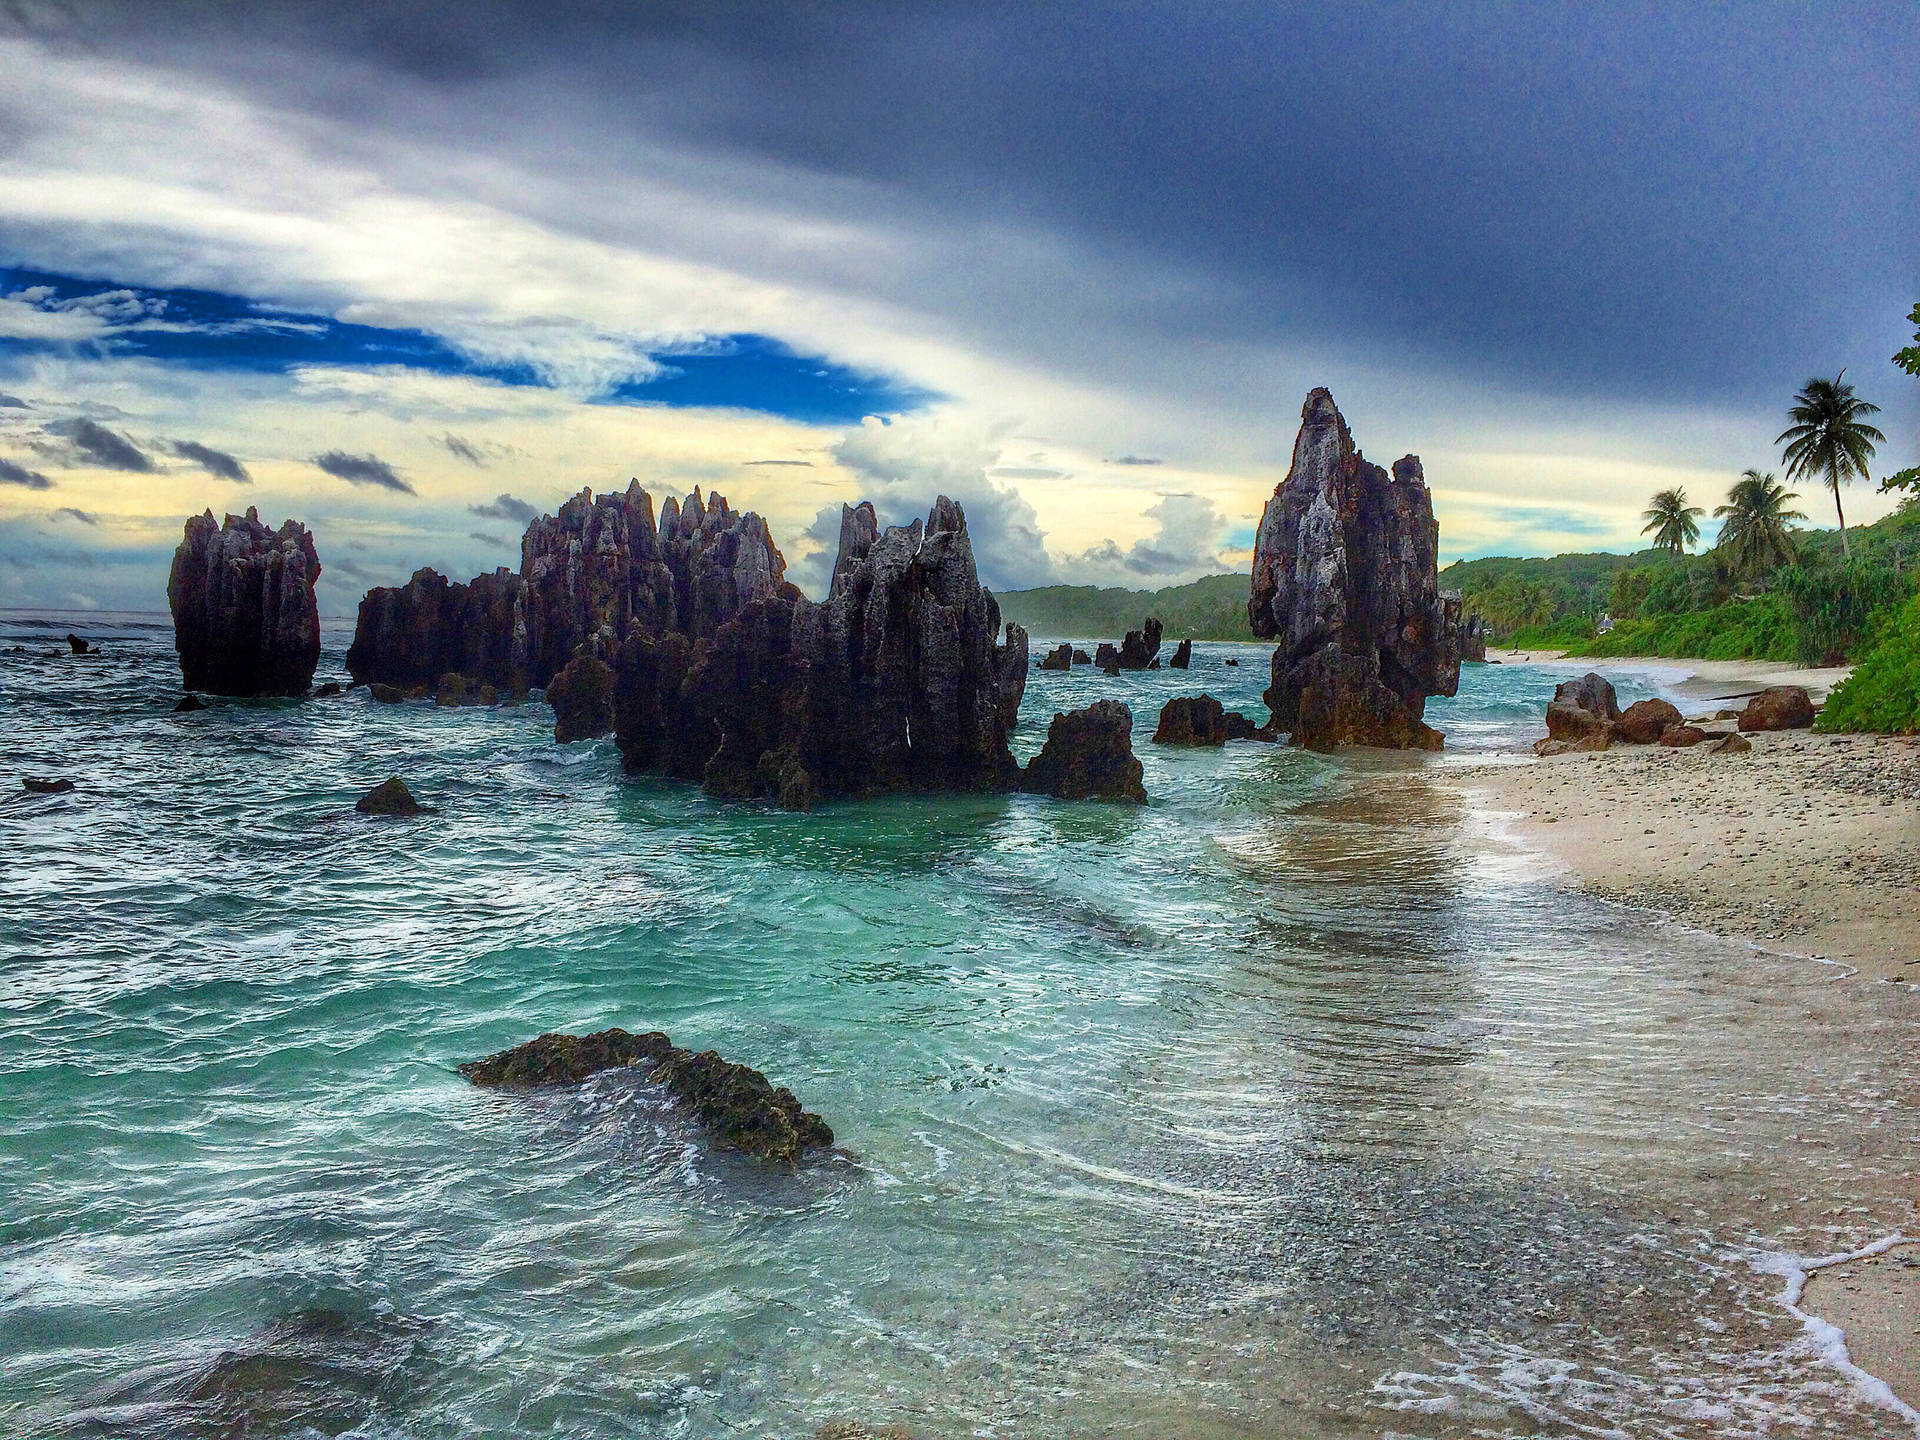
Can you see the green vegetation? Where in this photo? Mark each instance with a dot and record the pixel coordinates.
(1672, 522)
(1830, 439)
(1213, 608)
(1909, 361)
(1883, 693)
(1756, 526)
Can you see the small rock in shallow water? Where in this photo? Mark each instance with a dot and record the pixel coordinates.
(738, 1105)
(48, 787)
(189, 702)
(390, 797)
(332, 687)
(1088, 755)
(79, 646)
(385, 694)
(452, 690)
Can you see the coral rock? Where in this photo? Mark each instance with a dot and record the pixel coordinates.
(245, 621)
(1182, 655)
(389, 797)
(1088, 755)
(582, 700)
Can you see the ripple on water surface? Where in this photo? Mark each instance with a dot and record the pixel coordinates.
(1287, 1105)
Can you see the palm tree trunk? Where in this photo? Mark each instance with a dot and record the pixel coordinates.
(1846, 550)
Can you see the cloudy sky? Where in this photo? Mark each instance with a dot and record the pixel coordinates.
(413, 272)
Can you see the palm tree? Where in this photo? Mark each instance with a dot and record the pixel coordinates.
(1754, 524)
(1670, 520)
(1830, 439)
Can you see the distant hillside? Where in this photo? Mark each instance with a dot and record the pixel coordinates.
(1214, 608)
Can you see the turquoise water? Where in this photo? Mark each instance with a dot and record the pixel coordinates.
(1296, 1103)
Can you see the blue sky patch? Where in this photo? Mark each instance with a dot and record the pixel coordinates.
(213, 331)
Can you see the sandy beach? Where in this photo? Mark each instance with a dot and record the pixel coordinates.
(1809, 845)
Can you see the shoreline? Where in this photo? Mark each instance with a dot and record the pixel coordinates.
(1703, 679)
(1808, 847)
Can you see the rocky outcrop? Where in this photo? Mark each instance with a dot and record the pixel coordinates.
(582, 699)
(1088, 756)
(1346, 578)
(1200, 720)
(1058, 658)
(1138, 647)
(416, 633)
(590, 575)
(389, 797)
(1473, 640)
(245, 621)
(1080, 657)
(1581, 707)
(1644, 721)
(1106, 657)
(737, 1105)
(1681, 737)
(37, 785)
(1182, 655)
(78, 646)
(1779, 707)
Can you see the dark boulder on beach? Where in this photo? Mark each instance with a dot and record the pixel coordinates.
(1346, 578)
(1580, 707)
(1644, 721)
(38, 786)
(245, 621)
(1058, 658)
(1779, 707)
(1681, 737)
(1731, 744)
(1182, 655)
(738, 1106)
(1088, 756)
(188, 703)
(389, 797)
(582, 699)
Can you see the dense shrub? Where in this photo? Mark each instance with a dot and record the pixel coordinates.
(1758, 629)
(1835, 607)
(1883, 693)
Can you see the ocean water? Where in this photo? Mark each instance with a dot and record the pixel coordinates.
(1297, 1103)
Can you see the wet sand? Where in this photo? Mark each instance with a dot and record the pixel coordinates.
(1809, 846)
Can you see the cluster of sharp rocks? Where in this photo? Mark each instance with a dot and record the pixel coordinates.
(680, 637)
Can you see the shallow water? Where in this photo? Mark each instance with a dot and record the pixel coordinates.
(1293, 1104)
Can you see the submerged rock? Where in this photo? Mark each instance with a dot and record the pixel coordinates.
(1779, 707)
(389, 797)
(385, 694)
(1058, 658)
(327, 691)
(39, 786)
(582, 699)
(1200, 720)
(1182, 655)
(1088, 756)
(77, 646)
(1644, 721)
(738, 1105)
(188, 703)
(245, 621)
(1346, 578)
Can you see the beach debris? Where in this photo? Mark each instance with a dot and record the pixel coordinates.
(1644, 721)
(1200, 720)
(390, 797)
(39, 786)
(1182, 655)
(739, 1106)
(245, 621)
(188, 703)
(1346, 578)
(1088, 755)
(582, 699)
(1058, 658)
(1779, 707)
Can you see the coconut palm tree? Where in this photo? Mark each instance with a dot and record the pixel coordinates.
(1670, 520)
(1755, 524)
(1830, 439)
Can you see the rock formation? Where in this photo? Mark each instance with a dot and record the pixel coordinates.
(1779, 707)
(37, 785)
(1058, 658)
(1346, 578)
(245, 621)
(1138, 647)
(389, 797)
(582, 699)
(737, 1105)
(1088, 756)
(1080, 657)
(1644, 721)
(1473, 640)
(1581, 707)
(1200, 720)
(414, 634)
(1182, 655)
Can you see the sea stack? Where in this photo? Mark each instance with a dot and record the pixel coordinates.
(245, 621)
(1346, 578)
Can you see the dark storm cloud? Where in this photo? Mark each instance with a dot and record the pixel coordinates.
(504, 507)
(462, 448)
(362, 470)
(14, 474)
(13, 402)
(106, 448)
(214, 462)
(486, 539)
(1626, 198)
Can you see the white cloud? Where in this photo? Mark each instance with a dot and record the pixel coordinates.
(1184, 545)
